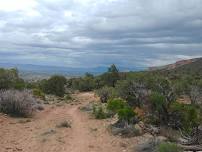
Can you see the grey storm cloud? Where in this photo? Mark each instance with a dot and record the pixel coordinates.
(75, 33)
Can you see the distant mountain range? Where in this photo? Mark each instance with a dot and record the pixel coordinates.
(44, 71)
(177, 64)
(29, 71)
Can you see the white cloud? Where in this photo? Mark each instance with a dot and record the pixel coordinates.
(17, 5)
(127, 32)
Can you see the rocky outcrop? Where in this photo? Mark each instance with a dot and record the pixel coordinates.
(174, 65)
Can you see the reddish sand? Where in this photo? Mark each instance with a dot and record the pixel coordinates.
(42, 135)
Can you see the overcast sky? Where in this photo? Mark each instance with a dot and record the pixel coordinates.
(91, 33)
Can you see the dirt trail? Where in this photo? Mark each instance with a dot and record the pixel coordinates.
(40, 133)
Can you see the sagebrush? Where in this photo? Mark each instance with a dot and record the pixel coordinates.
(17, 103)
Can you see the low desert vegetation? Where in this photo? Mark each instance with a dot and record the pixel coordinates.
(16, 97)
(106, 93)
(17, 103)
(168, 147)
(100, 112)
(122, 109)
(126, 115)
(38, 93)
(86, 83)
(9, 79)
(157, 93)
(54, 85)
(185, 117)
(115, 105)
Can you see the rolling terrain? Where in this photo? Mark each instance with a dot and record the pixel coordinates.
(180, 65)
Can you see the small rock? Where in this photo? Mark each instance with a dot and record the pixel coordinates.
(141, 124)
(161, 138)
(148, 146)
(39, 107)
(153, 130)
(50, 131)
(64, 124)
(123, 144)
(129, 131)
(138, 129)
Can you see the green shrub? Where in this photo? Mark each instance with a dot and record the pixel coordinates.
(168, 147)
(132, 91)
(157, 101)
(184, 116)
(106, 93)
(54, 85)
(152, 119)
(19, 84)
(120, 107)
(126, 114)
(114, 105)
(39, 94)
(160, 107)
(17, 103)
(9, 79)
(74, 83)
(165, 88)
(111, 77)
(87, 83)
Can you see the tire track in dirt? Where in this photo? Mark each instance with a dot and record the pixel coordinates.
(42, 135)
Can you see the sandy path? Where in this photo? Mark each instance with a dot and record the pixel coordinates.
(42, 135)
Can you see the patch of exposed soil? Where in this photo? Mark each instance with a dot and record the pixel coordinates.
(41, 134)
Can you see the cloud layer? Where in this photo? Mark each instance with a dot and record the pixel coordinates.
(91, 33)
